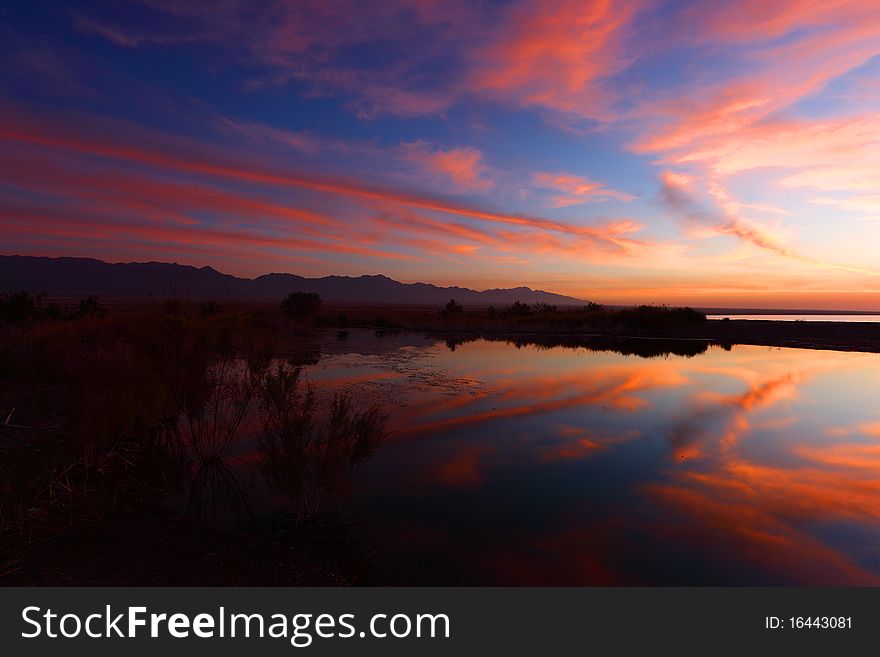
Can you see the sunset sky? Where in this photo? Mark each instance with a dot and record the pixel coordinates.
(708, 153)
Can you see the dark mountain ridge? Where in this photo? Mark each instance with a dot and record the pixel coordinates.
(63, 277)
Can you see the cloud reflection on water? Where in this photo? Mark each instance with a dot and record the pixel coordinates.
(573, 466)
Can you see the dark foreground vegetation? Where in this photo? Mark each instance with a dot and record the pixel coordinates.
(122, 439)
(534, 318)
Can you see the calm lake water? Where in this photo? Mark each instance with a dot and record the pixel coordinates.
(574, 465)
(804, 318)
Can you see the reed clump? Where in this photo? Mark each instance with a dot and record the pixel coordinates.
(100, 409)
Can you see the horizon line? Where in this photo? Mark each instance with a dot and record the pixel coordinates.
(709, 309)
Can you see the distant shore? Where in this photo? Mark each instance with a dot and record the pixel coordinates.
(829, 335)
(832, 336)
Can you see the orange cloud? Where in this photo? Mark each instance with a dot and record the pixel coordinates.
(777, 75)
(550, 55)
(529, 242)
(554, 55)
(754, 21)
(871, 429)
(849, 456)
(463, 166)
(133, 190)
(183, 201)
(89, 222)
(576, 189)
(192, 158)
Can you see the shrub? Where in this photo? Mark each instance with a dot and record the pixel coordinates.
(19, 307)
(312, 461)
(518, 309)
(89, 307)
(452, 309)
(301, 305)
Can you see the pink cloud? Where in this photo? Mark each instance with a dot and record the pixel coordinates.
(866, 204)
(577, 189)
(169, 191)
(554, 55)
(462, 166)
(550, 55)
(745, 118)
(121, 141)
(822, 42)
(755, 20)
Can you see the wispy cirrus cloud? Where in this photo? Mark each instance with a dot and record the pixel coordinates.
(748, 117)
(576, 189)
(551, 56)
(158, 187)
(678, 195)
(794, 51)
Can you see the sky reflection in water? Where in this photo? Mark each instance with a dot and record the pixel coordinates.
(564, 466)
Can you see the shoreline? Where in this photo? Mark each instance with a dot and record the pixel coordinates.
(826, 336)
(829, 336)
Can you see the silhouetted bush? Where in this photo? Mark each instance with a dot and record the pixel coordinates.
(23, 306)
(301, 305)
(658, 317)
(517, 309)
(452, 309)
(312, 460)
(89, 307)
(165, 401)
(19, 307)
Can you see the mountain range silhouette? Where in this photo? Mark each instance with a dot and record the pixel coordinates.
(71, 277)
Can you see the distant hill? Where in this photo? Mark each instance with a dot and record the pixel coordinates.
(133, 280)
